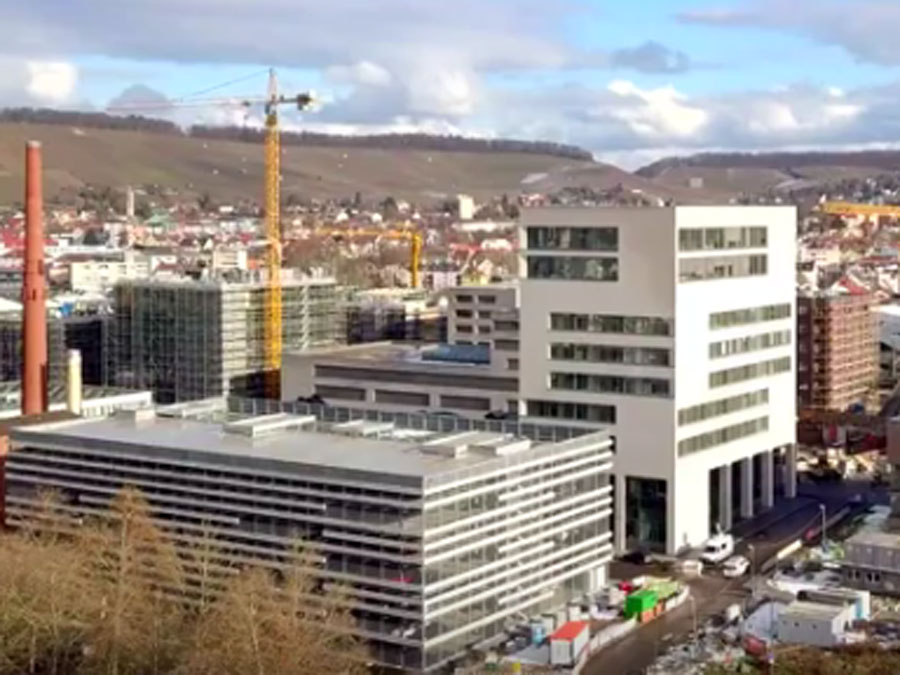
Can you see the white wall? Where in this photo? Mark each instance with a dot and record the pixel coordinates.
(695, 301)
(646, 430)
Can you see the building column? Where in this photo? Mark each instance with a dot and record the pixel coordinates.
(768, 479)
(747, 487)
(790, 470)
(725, 518)
(619, 514)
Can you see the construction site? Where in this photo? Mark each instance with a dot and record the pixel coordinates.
(193, 339)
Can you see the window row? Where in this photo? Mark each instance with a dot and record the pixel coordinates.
(574, 238)
(723, 267)
(753, 343)
(607, 323)
(643, 356)
(743, 317)
(721, 238)
(751, 371)
(611, 384)
(576, 269)
(581, 412)
(711, 439)
(723, 406)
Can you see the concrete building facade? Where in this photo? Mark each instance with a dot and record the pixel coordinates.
(673, 327)
(441, 541)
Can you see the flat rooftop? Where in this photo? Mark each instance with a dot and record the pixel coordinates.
(390, 355)
(812, 611)
(879, 539)
(370, 450)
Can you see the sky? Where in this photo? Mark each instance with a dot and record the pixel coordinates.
(631, 81)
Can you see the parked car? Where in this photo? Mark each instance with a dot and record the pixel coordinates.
(735, 566)
(717, 548)
(637, 557)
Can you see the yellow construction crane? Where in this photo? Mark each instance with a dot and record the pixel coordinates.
(851, 209)
(271, 203)
(414, 238)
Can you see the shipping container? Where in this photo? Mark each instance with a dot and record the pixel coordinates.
(567, 643)
(640, 601)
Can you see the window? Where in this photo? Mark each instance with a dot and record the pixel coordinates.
(752, 343)
(506, 345)
(721, 238)
(723, 406)
(711, 439)
(465, 403)
(484, 328)
(582, 412)
(576, 269)
(742, 317)
(487, 299)
(751, 371)
(645, 512)
(574, 238)
(611, 384)
(506, 326)
(606, 323)
(644, 356)
(464, 329)
(464, 299)
(401, 398)
(512, 364)
(340, 393)
(484, 314)
(464, 313)
(722, 267)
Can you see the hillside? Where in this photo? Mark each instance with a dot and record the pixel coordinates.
(735, 173)
(421, 169)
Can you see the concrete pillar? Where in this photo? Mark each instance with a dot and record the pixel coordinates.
(726, 519)
(747, 487)
(768, 479)
(619, 514)
(790, 470)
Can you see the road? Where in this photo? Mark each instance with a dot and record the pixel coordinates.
(767, 533)
(639, 649)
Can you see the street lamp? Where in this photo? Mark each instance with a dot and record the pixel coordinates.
(694, 617)
(752, 550)
(824, 546)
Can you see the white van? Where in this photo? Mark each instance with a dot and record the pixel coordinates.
(717, 548)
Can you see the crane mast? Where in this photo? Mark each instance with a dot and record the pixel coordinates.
(273, 303)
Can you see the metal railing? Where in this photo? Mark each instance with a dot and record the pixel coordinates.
(545, 433)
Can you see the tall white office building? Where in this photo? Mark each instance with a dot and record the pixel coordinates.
(674, 327)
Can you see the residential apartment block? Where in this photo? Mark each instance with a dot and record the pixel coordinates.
(837, 349)
(672, 327)
(440, 540)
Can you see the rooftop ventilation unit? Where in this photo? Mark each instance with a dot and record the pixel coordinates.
(255, 427)
(482, 442)
(364, 429)
(136, 414)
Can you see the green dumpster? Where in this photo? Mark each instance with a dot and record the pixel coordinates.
(639, 602)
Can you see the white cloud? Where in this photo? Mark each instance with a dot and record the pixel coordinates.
(51, 81)
(660, 113)
(363, 72)
(865, 28)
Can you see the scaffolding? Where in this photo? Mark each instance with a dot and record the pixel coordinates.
(837, 351)
(187, 340)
